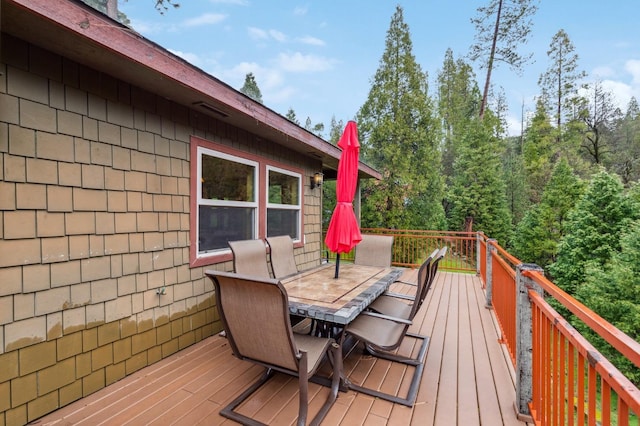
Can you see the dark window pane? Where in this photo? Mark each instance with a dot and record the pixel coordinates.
(283, 222)
(283, 189)
(219, 225)
(227, 180)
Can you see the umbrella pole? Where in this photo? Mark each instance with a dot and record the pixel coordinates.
(337, 265)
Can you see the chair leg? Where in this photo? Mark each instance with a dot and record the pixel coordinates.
(229, 412)
(335, 358)
(417, 362)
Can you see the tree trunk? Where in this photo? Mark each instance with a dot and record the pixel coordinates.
(487, 82)
(112, 9)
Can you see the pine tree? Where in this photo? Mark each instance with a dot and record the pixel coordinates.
(592, 231)
(559, 83)
(538, 151)
(458, 101)
(613, 292)
(291, 116)
(399, 136)
(250, 88)
(625, 144)
(500, 27)
(538, 234)
(478, 196)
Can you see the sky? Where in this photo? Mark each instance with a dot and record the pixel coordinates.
(319, 57)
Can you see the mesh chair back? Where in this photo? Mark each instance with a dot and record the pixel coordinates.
(432, 273)
(255, 315)
(424, 273)
(283, 262)
(374, 250)
(250, 258)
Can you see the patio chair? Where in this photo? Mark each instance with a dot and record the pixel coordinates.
(283, 262)
(255, 315)
(383, 333)
(434, 269)
(374, 250)
(398, 304)
(250, 258)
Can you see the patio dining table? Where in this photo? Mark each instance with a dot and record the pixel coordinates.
(316, 294)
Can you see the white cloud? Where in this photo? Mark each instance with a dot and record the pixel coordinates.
(632, 66)
(192, 58)
(257, 33)
(277, 35)
(299, 62)
(206, 19)
(622, 84)
(312, 41)
(514, 126)
(260, 34)
(620, 91)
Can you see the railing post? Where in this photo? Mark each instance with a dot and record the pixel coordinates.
(478, 241)
(524, 339)
(489, 278)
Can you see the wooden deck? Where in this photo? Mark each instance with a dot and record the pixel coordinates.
(467, 379)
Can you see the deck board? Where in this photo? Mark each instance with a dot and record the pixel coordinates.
(467, 379)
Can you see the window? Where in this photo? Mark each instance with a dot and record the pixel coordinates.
(227, 200)
(239, 195)
(283, 203)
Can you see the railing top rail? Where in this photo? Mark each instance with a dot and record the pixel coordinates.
(618, 382)
(505, 254)
(619, 340)
(417, 231)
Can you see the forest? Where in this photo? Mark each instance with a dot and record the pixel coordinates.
(563, 195)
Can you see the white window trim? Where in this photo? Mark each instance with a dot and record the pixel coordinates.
(224, 203)
(297, 207)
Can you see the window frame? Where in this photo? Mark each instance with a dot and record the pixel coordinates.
(254, 205)
(297, 207)
(261, 184)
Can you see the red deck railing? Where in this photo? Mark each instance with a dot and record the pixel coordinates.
(561, 378)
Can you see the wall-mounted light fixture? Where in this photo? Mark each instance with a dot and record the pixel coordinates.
(316, 180)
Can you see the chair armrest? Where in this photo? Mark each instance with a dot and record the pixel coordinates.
(387, 317)
(399, 295)
(406, 282)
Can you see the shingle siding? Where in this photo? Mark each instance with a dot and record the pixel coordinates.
(94, 218)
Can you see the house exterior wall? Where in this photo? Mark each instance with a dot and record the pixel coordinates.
(94, 218)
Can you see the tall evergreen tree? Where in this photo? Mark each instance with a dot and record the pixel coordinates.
(399, 136)
(592, 231)
(316, 129)
(478, 195)
(458, 101)
(291, 116)
(538, 234)
(625, 144)
(560, 82)
(501, 27)
(613, 292)
(250, 88)
(515, 180)
(539, 151)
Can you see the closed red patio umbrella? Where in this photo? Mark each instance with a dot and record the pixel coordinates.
(344, 232)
